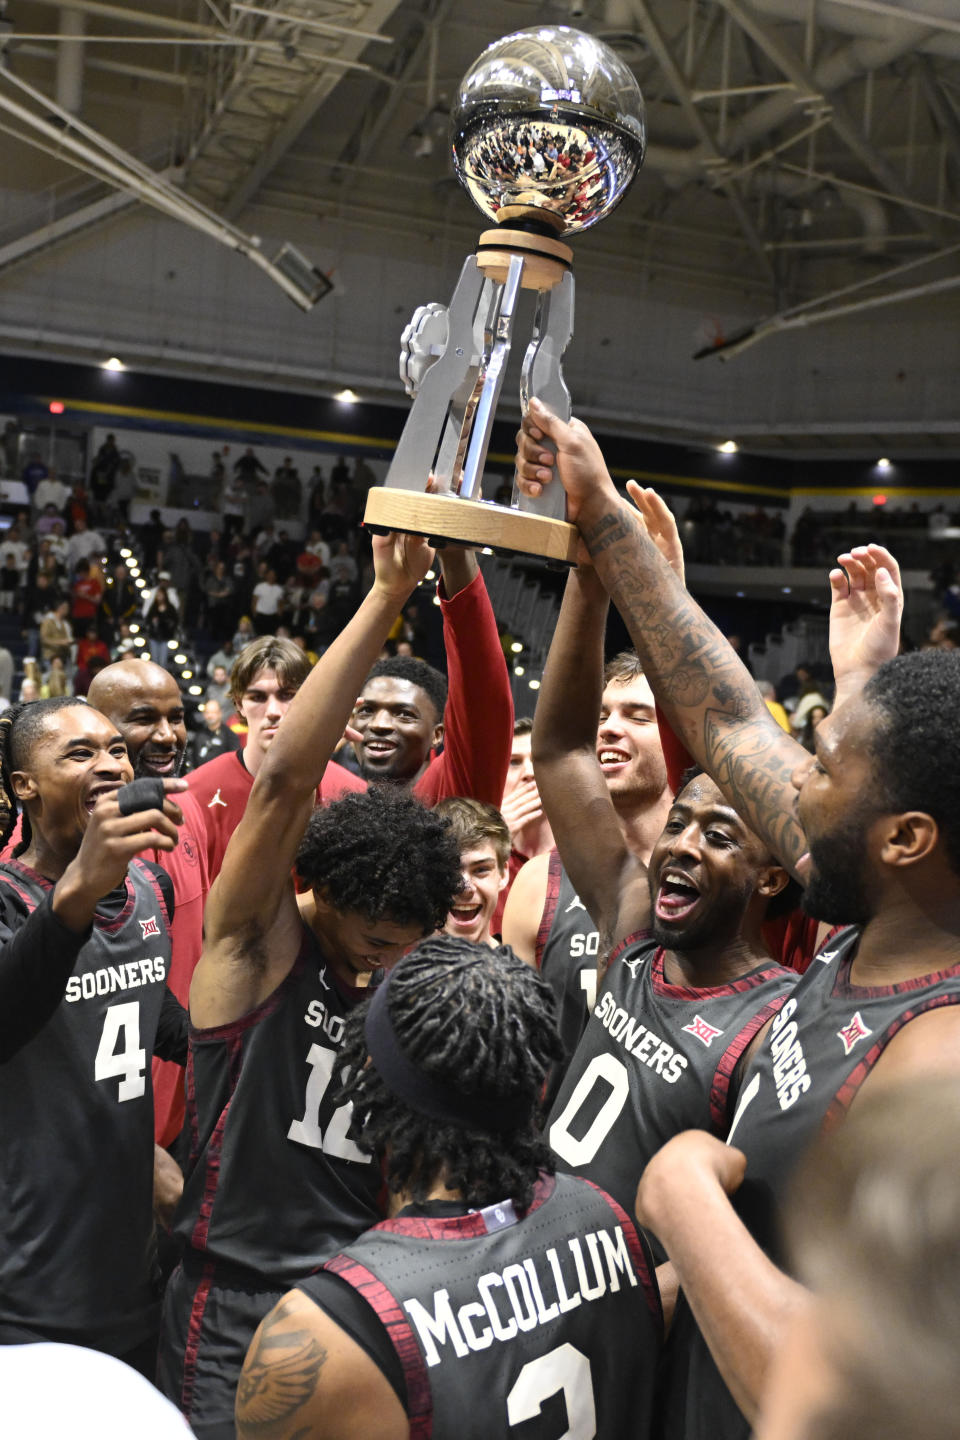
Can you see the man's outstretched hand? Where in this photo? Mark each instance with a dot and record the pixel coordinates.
(866, 603)
(661, 525)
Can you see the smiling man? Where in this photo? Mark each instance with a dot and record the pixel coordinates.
(274, 1185)
(84, 952)
(144, 702)
(483, 839)
(690, 984)
(406, 708)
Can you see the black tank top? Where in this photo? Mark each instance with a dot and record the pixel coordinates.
(77, 1256)
(820, 1048)
(655, 1059)
(516, 1328)
(567, 945)
(273, 1184)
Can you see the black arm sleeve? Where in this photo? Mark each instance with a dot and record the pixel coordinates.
(172, 1028)
(37, 956)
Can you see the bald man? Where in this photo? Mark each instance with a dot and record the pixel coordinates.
(143, 700)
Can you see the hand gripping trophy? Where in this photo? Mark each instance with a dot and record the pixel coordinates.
(548, 133)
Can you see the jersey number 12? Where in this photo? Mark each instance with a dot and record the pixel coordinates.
(333, 1140)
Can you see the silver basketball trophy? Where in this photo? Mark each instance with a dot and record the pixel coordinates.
(548, 132)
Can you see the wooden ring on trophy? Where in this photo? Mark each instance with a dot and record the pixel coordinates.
(472, 523)
(545, 260)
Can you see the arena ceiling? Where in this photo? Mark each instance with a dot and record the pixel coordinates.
(803, 159)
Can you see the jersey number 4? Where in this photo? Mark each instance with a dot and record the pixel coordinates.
(332, 1140)
(121, 1028)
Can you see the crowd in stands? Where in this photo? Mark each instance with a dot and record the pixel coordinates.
(84, 587)
(714, 536)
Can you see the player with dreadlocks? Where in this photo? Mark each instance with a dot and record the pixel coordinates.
(496, 1292)
(84, 952)
(274, 1184)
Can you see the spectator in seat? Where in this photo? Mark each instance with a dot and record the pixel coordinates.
(213, 738)
(56, 633)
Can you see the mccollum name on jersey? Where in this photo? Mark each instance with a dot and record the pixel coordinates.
(642, 1043)
(524, 1295)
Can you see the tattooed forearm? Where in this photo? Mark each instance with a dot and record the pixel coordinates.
(280, 1377)
(753, 765)
(709, 696)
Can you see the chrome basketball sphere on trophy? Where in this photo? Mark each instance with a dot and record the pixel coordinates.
(548, 134)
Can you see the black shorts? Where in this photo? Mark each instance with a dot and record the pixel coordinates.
(208, 1323)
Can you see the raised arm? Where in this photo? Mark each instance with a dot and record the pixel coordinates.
(478, 721)
(255, 876)
(708, 695)
(610, 881)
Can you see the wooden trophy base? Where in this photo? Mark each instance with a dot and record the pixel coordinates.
(473, 523)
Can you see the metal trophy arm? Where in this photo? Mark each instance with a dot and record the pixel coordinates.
(447, 434)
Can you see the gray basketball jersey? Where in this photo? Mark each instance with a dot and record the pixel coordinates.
(77, 1257)
(517, 1327)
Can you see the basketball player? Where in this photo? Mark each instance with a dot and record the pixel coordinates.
(869, 825)
(481, 835)
(547, 920)
(263, 681)
(84, 953)
(405, 707)
(496, 1295)
(274, 1184)
(144, 702)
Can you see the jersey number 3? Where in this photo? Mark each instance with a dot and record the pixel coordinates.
(333, 1140)
(564, 1368)
(128, 1063)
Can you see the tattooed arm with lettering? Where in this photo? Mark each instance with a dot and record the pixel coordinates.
(610, 880)
(706, 692)
(306, 1379)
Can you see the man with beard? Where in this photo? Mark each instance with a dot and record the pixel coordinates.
(406, 708)
(144, 702)
(548, 920)
(869, 825)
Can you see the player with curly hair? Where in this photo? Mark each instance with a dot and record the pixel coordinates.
(495, 1294)
(274, 1183)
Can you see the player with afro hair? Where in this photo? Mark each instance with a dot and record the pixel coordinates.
(365, 853)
